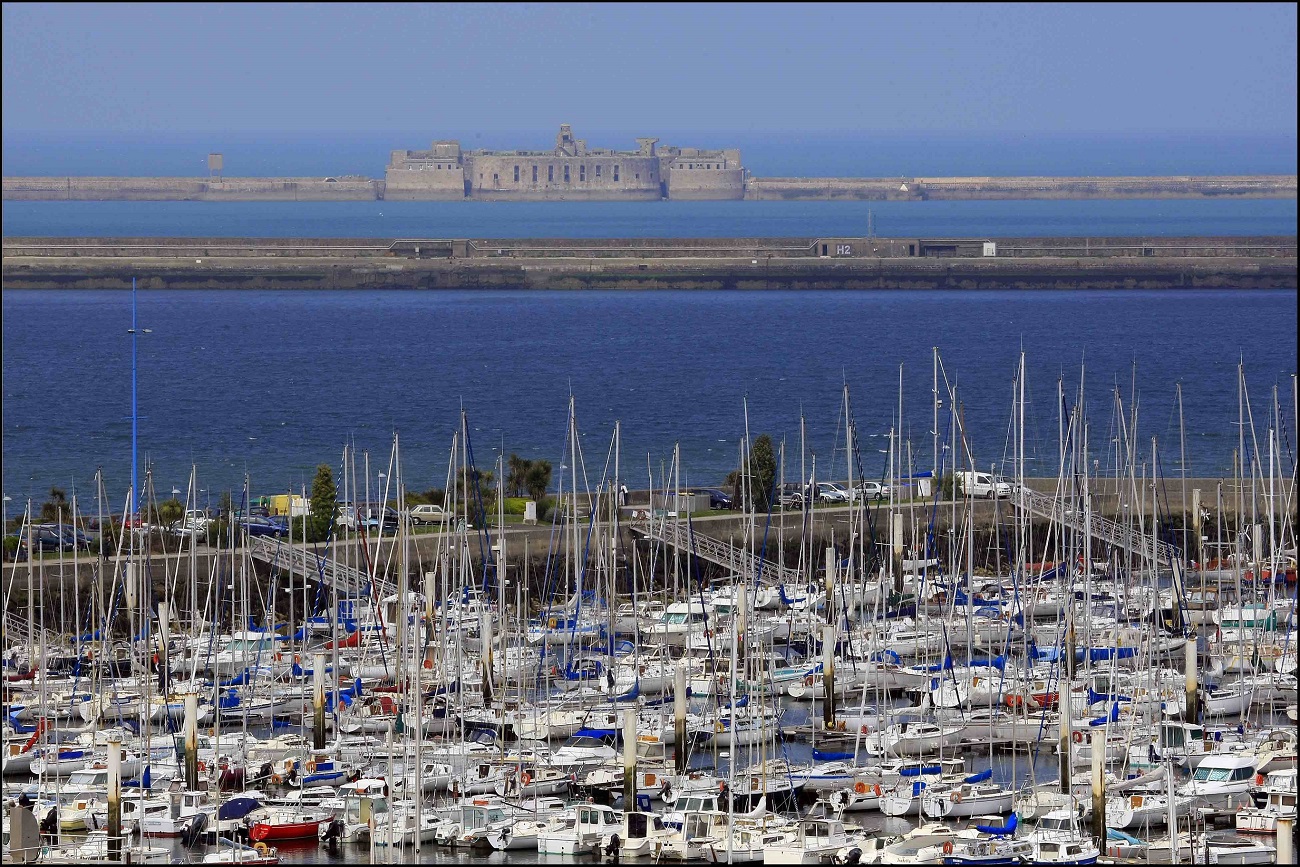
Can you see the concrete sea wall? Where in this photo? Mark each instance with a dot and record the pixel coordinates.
(681, 183)
(746, 263)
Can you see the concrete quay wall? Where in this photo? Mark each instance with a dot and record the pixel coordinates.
(681, 183)
(760, 249)
(986, 188)
(317, 273)
(192, 189)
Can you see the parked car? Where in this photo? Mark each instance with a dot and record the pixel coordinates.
(281, 521)
(349, 517)
(984, 485)
(71, 536)
(829, 492)
(47, 537)
(253, 512)
(429, 513)
(261, 527)
(718, 498)
(791, 495)
(871, 490)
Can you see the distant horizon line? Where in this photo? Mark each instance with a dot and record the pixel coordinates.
(1284, 134)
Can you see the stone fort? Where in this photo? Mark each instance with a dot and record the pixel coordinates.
(571, 171)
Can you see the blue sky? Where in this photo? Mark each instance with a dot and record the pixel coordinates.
(464, 69)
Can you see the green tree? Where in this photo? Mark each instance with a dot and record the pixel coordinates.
(476, 495)
(171, 510)
(517, 475)
(324, 504)
(539, 479)
(529, 478)
(761, 473)
(50, 508)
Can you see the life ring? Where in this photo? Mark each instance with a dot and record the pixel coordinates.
(722, 785)
(428, 663)
(311, 766)
(864, 730)
(1259, 779)
(551, 623)
(526, 778)
(808, 681)
(262, 849)
(947, 847)
(276, 778)
(203, 767)
(1078, 737)
(876, 789)
(753, 784)
(860, 788)
(956, 797)
(718, 726)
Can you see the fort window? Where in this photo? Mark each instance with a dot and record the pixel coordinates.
(550, 174)
(582, 173)
(566, 174)
(496, 179)
(597, 171)
(516, 174)
(615, 173)
(534, 174)
(638, 176)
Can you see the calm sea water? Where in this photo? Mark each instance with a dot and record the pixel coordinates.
(273, 383)
(649, 219)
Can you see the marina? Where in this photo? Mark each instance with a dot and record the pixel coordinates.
(927, 665)
(568, 434)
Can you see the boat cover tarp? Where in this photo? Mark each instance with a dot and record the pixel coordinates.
(986, 774)
(237, 808)
(1008, 828)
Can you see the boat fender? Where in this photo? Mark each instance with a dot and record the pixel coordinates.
(947, 847)
(1259, 779)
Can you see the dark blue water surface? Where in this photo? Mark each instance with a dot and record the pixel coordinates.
(273, 383)
(1196, 217)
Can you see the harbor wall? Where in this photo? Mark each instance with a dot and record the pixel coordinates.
(679, 183)
(987, 188)
(173, 568)
(193, 189)
(689, 264)
(840, 248)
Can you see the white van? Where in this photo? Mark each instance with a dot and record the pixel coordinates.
(982, 485)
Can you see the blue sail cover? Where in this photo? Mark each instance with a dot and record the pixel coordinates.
(920, 770)
(983, 775)
(823, 756)
(1007, 829)
(237, 808)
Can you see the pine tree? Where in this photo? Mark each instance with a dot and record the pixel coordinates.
(324, 497)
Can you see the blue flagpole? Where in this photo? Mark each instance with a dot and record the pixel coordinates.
(135, 508)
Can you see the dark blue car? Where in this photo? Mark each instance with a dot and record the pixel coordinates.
(262, 527)
(718, 498)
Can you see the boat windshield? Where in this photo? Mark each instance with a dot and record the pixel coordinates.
(1212, 775)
